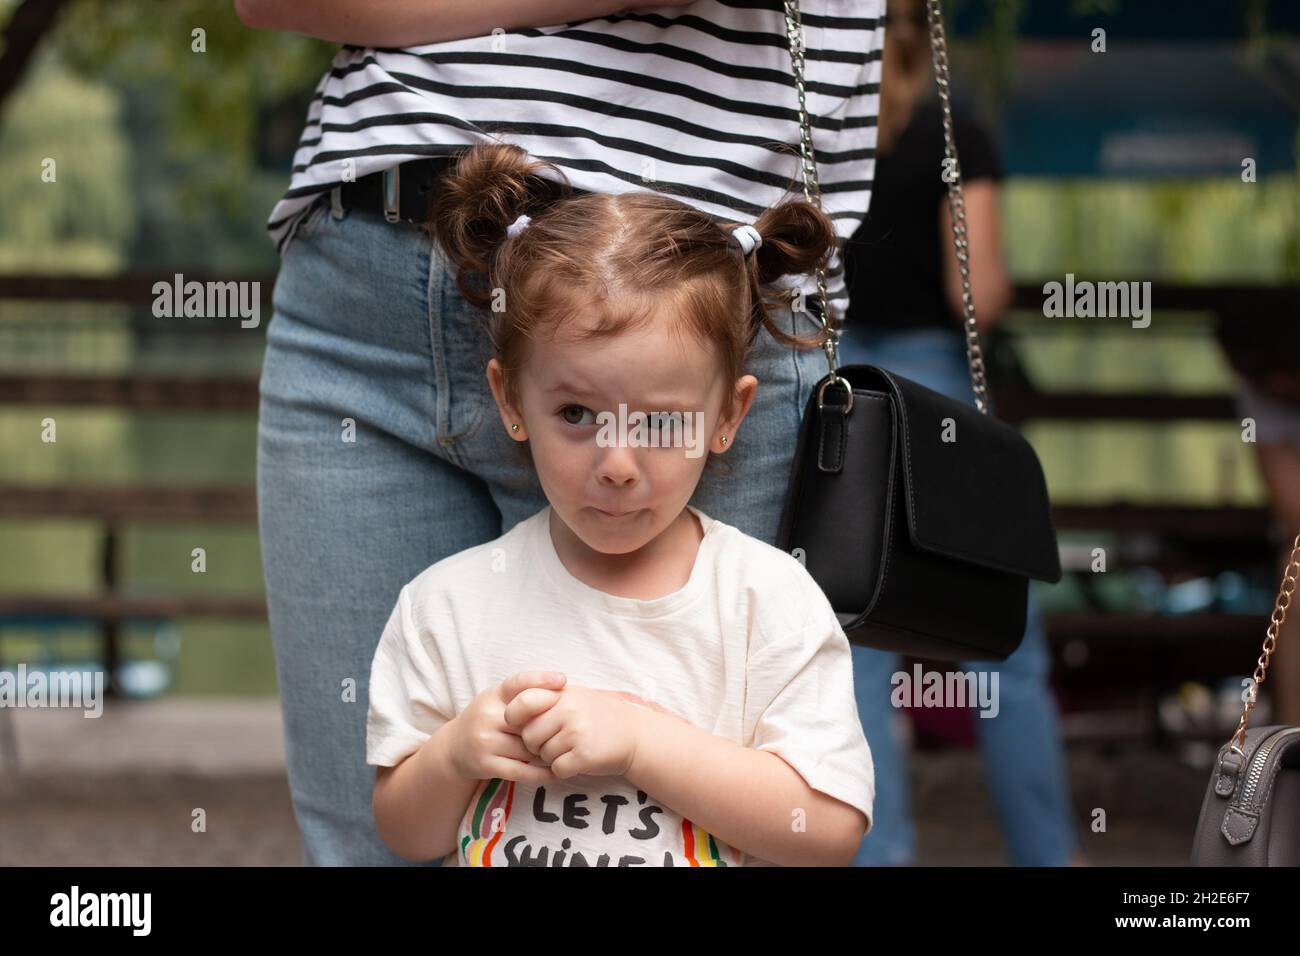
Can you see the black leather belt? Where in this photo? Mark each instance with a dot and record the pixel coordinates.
(404, 193)
(416, 185)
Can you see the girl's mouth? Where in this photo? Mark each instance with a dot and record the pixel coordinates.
(614, 514)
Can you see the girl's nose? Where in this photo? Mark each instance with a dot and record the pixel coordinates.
(618, 467)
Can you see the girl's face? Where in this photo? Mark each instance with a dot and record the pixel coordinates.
(614, 495)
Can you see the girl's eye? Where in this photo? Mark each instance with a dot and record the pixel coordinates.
(567, 411)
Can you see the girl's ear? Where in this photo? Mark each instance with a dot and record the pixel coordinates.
(510, 416)
(746, 388)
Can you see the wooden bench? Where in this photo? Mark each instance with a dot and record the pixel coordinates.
(113, 507)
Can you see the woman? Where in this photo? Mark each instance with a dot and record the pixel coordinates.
(376, 453)
(906, 315)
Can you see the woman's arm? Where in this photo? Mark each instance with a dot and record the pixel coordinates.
(418, 803)
(989, 286)
(699, 776)
(398, 23)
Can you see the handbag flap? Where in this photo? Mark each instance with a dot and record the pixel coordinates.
(973, 486)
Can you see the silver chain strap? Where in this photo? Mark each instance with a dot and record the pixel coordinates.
(956, 197)
(812, 190)
(957, 205)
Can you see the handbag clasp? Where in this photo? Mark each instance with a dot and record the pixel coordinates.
(848, 389)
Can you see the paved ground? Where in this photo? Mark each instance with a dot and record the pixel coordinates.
(122, 789)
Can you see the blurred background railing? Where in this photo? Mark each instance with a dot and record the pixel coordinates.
(1189, 561)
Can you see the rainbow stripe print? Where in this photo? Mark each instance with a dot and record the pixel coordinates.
(700, 849)
(496, 795)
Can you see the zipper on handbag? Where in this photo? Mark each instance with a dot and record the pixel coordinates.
(1255, 769)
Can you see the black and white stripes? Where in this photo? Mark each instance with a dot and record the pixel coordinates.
(697, 102)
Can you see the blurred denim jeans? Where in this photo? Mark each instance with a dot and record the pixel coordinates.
(370, 333)
(1023, 753)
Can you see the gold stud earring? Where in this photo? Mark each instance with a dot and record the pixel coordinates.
(514, 428)
(724, 439)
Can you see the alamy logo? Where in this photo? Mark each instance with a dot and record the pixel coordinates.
(651, 430)
(1127, 300)
(84, 689)
(102, 909)
(954, 689)
(212, 300)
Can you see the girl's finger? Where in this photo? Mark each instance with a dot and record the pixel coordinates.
(512, 685)
(512, 747)
(554, 750)
(527, 704)
(566, 766)
(508, 769)
(553, 746)
(537, 731)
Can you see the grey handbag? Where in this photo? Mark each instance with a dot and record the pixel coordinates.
(1251, 812)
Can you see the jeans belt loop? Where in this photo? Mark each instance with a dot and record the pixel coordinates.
(392, 194)
(336, 202)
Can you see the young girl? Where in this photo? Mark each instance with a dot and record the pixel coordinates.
(618, 680)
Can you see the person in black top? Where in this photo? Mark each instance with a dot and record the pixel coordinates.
(900, 264)
(906, 315)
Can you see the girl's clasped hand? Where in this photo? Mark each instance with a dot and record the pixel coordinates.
(534, 727)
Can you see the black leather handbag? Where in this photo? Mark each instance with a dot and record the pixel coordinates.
(1250, 815)
(921, 518)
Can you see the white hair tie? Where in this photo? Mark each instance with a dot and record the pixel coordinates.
(748, 237)
(518, 226)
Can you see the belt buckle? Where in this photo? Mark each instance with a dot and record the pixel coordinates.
(392, 194)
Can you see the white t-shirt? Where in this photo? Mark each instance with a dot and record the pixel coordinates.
(748, 649)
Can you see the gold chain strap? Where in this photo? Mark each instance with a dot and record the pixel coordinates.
(1276, 620)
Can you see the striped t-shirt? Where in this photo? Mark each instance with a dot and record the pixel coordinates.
(697, 102)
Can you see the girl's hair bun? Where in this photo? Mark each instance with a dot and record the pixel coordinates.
(486, 190)
(797, 238)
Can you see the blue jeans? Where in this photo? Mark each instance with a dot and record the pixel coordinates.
(1023, 755)
(370, 340)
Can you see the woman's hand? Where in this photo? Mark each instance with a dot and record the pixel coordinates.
(583, 732)
(484, 744)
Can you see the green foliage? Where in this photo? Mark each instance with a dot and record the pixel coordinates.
(211, 98)
(155, 143)
(73, 224)
(1199, 231)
